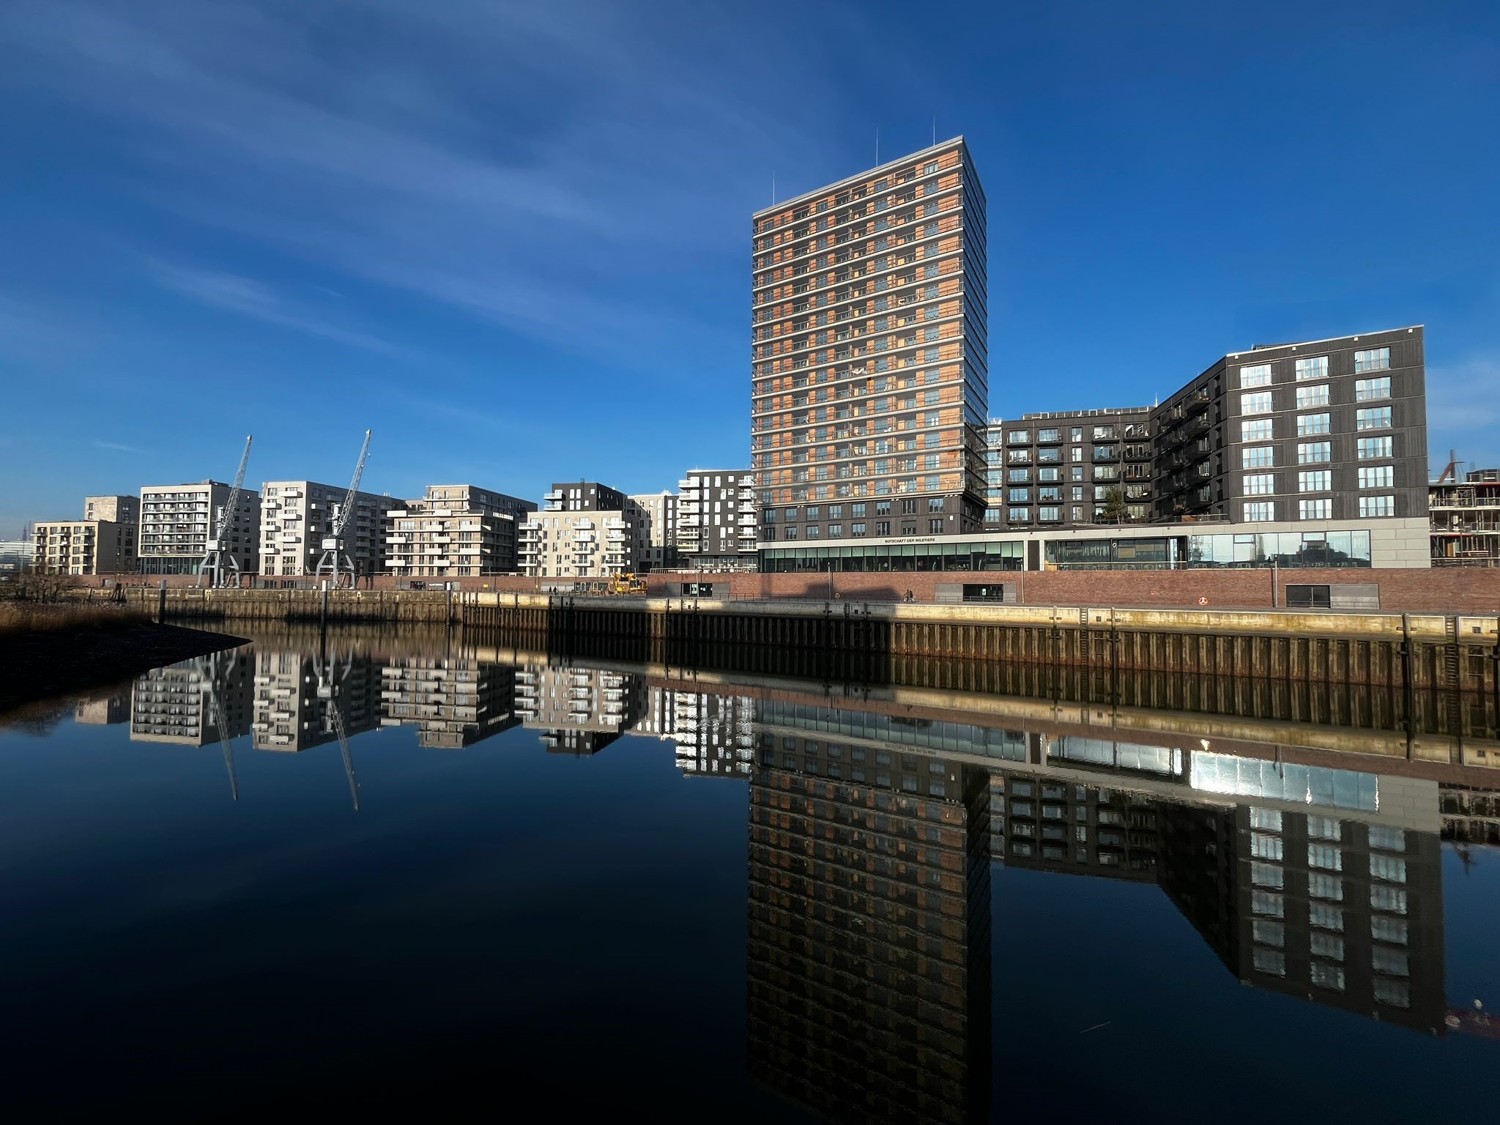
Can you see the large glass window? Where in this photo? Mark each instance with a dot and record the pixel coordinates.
(1377, 476)
(1256, 402)
(1313, 367)
(1373, 448)
(1375, 359)
(1314, 452)
(1315, 509)
(1368, 390)
(1377, 506)
(1315, 480)
(1256, 429)
(1256, 376)
(1315, 394)
(1259, 484)
(1310, 425)
(1257, 457)
(1373, 418)
(1259, 511)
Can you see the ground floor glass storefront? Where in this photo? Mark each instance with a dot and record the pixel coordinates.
(1291, 549)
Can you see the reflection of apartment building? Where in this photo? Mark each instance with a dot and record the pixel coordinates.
(580, 710)
(103, 708)
(177, 521)
(655, 530)
(453, 702)
(454, 531)
(1073, 828)
(584, 529)
(199, 701)
(715, 734)
(294, 693)
(1344, 911)
(1466, 519)
(716, 519)
(296, 516)
(103, 542)
(869, 950)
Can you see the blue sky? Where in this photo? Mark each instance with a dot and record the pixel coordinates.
(514, 239)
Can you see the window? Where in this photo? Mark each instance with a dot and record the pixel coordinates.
(1268, 933)
(1314, 452)
(1263, 846)
(1324, 857)
(1018, 495)
(1310, 425)
(1314, 480)
(1377, 476)
(1256, 429)
(882, 527)
(1256, 402)
(1377, 506)
(1270, 961)
(1376, 359)
(1373, 418)
(1315, 509)
(1325, 887)
(1265, 902)
(934, 527)
(1368, 390)
(1269, 819)
(1324, 917)
(1387, 839)
(1391, 962)
(1326, 945)
(835, 531)
(1385, 897)
(1258, 457)
(1327, 976)
(1324, 828)
(1388, 867)
(1314, 395)
(1259, 511)
(1018, 515)
(1267, 875)
(1372, 448)
(1392, 930)
(1259, 484)
(857, 530)
(1257, 376)
(1314, 367)
(1393, 993)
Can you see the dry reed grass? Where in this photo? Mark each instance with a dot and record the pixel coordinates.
(34, 617)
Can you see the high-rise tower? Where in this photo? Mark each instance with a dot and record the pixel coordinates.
(870, 387)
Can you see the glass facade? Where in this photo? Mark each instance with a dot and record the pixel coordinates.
(895, 557)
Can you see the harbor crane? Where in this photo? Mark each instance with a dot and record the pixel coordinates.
(218, 674)
(331, 675)
(336, 562)
(219, 563)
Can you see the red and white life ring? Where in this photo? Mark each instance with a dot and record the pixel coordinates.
(1203, 601)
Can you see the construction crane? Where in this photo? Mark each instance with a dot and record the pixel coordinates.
(219, 563)
(217, 676)
(336, 562)
(330, 690)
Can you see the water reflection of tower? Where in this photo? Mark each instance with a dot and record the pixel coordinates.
(580, 710)
(869, 952)
(452, 701)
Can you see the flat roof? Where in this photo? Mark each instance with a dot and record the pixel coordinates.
(939, 147)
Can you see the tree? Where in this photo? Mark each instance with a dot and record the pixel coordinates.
(1114, 504)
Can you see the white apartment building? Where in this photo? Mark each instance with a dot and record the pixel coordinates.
(584, 530)
(655, 530)
(454, 531)
(716, 519)
(177, 521)
(296, 515)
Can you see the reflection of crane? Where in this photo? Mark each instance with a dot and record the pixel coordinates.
(219, 561)
(330, 685)
(216, 709)
(336, 562)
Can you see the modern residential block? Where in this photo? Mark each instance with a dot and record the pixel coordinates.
(584, 530)
(453, 531)
(655, 529)
(177, 521)
(1072, 467)
(870, 379)
(103, 542)
(716, 519)
(296, 515)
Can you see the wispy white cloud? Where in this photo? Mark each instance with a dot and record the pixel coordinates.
(533, 165)
(116, 447)
(256, 300)
(1463, 410)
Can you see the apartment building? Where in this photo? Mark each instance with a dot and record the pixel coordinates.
(295, 694)
(1083, 466)
(453, 702)
(579, 710)
(1465, 519)
(655, 530)
(716, 519)
(453, 531)
(584, 529)
(178, 520)
(194, 703)
(103, 542)
(870, 382)
(296, 516)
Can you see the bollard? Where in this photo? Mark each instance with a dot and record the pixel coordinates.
(161, 603)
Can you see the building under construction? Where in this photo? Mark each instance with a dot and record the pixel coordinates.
(1465, 517)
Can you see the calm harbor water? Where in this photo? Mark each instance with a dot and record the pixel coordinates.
(368, 873)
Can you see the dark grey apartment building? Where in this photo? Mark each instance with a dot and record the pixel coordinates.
(1331, 429)
(716, 519)
(1071, 467)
